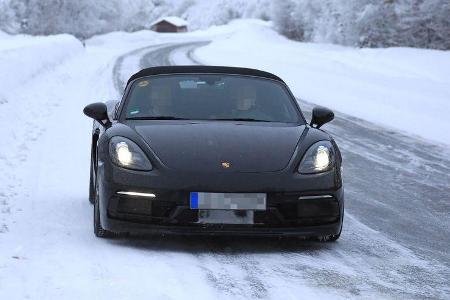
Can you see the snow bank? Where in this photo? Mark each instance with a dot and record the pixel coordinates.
(23, 57)
(24, 99)
(404, 88)
(125, 39)
(3, 35)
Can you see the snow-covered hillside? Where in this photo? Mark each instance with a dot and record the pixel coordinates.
(362, 23)
(403, 88)
(85, 18)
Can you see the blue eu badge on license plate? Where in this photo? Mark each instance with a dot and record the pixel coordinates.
(194, 200)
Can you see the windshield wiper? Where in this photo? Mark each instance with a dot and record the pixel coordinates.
(242, 119)
(156, 118)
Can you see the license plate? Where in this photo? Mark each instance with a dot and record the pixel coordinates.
(216, 216)
(228, 201)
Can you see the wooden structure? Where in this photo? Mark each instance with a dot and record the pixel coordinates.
(169, 24)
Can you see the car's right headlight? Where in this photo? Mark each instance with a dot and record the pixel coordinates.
(127, 154)
(319, 158)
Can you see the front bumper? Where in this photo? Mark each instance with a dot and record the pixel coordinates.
(169, 211)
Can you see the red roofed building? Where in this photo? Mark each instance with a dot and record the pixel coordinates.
(169, 24)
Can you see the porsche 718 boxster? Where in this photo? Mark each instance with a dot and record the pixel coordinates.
(213, 150)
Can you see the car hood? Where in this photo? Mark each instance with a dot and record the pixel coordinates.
(209, 146)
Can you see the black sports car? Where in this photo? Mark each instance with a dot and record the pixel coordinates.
(213, 150)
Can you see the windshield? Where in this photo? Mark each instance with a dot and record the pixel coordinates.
(210, 97)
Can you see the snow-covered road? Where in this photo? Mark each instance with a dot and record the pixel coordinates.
(394, 242)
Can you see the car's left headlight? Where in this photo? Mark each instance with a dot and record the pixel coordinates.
(319, 158)
(127, 154)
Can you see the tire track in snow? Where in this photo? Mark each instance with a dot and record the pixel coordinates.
(164, 56)
(395, 236)
(146, 57)
(123, 69)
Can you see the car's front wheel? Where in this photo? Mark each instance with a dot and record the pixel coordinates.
(98, 229)
(92, 184)
(329, 238)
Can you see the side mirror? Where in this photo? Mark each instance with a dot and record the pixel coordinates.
(320, 116)
(97, 111)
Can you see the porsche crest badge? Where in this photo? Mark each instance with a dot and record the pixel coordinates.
(226, 165)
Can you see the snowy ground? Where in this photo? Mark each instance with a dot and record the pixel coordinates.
(397, 225)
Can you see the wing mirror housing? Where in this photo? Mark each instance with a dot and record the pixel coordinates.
(97, 111)
(321, 116)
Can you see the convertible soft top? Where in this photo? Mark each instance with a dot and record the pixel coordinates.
(202, 69)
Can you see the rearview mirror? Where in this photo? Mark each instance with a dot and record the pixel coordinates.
(97, 111)
(320, 116)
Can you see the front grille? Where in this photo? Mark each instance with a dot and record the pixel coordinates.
(309, 208)
(283, 209)
(145, 207)
(162, 209)
(135, 206)
(295, 211)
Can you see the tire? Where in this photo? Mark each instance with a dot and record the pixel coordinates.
(333, 237)
(98, 229)
(91, 185)
(329, 238)
(93, 169)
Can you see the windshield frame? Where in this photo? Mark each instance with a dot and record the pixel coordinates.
(122, 115)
